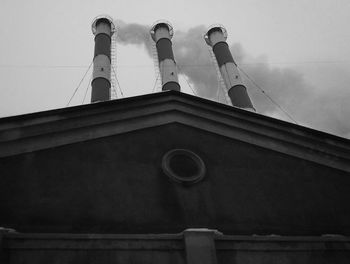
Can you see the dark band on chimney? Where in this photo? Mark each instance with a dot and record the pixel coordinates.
(164, 49)
(240, 97)
(101, 89)
(173, 86)
(222, 53)
(103, 45)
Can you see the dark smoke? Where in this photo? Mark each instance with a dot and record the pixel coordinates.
(322, 109)
(133, 33)
(193, 57)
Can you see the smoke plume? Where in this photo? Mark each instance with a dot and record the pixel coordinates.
(322, 108)
(134, 34)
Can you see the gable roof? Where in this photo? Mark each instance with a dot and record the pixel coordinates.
(48, 129)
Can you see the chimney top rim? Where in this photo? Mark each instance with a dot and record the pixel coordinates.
(161, 21)
(103, 16)
(211, 28)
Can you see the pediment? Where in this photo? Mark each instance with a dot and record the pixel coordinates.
(39, 131)
(116, 184)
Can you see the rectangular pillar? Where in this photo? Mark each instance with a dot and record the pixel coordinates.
(200, 246)
(3, 231)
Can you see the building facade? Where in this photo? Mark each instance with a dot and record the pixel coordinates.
(170, 178)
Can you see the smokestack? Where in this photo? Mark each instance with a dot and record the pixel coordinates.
(216, 38)
(103, 29)
(161, 33)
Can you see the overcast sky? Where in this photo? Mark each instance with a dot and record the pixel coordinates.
(297, 51)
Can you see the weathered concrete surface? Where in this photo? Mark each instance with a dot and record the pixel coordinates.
(115, 185)
(275, 249)
(200, 246)
(43, 130)
(97, 169)
(120, 249)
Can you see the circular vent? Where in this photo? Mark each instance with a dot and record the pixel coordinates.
(183, 166)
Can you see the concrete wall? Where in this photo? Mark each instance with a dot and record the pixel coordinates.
(71, 178)
(172, 248)
(116, 185)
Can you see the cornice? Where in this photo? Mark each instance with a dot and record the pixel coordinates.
(54, 128)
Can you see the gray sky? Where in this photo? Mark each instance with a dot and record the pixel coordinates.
(297, 51)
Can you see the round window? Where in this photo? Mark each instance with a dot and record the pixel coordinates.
(183, 166)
